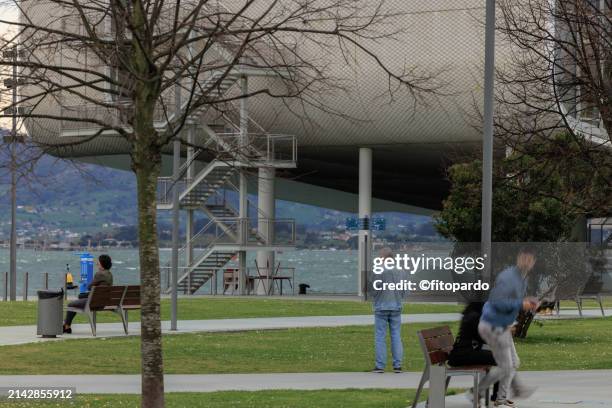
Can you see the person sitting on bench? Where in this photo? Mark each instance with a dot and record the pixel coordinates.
(468, 348)
(103, 277)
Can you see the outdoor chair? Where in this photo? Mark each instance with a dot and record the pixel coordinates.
(436, 345)
(272, 279)
(230, 281)
(591, 290)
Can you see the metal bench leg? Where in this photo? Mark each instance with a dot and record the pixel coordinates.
(437, 379)
(91, 316)
(123, 315)
(476, 391)
(424, 378)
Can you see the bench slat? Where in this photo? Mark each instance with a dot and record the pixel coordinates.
(438, 357)
(439, 343)
(436, 332)
(103, 296)
(132, 297)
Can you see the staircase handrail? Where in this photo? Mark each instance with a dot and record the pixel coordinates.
(198, 178)
(184, 247)
(204, 229)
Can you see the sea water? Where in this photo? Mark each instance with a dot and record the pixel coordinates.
(326, 271)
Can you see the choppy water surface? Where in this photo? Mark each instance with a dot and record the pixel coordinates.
(325, 271)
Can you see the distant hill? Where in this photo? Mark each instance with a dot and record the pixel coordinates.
(87, 198)
(67, 196)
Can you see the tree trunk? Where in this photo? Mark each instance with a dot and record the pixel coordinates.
(152, 367)
(146, 163)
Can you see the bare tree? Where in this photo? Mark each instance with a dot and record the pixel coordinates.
(139, 71)
(558, 79)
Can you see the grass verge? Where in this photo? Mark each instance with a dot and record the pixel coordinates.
(349, 398)
(557, 345)
(197, 308)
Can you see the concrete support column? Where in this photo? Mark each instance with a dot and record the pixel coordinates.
(265, 225)
(243, 206)
(487, 138)
(365, 212)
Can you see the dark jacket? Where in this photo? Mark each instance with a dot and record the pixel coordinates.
(102, 278)
(468, 337)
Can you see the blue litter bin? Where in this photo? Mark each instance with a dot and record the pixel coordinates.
(87, 272)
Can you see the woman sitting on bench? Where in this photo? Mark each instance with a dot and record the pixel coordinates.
(467, 350)
(103, 277)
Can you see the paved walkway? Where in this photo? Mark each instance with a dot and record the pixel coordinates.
(11, 335)
(27, 334)
(589, 388)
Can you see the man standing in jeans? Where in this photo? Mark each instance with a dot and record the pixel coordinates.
(499, 313)
(388, 313)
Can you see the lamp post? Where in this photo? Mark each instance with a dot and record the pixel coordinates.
(12, 140)
(176, 164)
(487, 139)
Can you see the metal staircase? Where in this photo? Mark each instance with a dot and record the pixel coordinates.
(209, 256)
(214, 87)
(217, 174)
(196, 278)
(228, 149)
(219, 241)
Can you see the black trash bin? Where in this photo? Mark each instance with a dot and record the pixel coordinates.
(50, 309)
(303, 287)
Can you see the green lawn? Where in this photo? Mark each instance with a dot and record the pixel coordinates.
(24, 313)
(349, 398)
(558, 345)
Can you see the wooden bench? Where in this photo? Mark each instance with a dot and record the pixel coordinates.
(116, 299)
(436, 345)
(131, 301)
